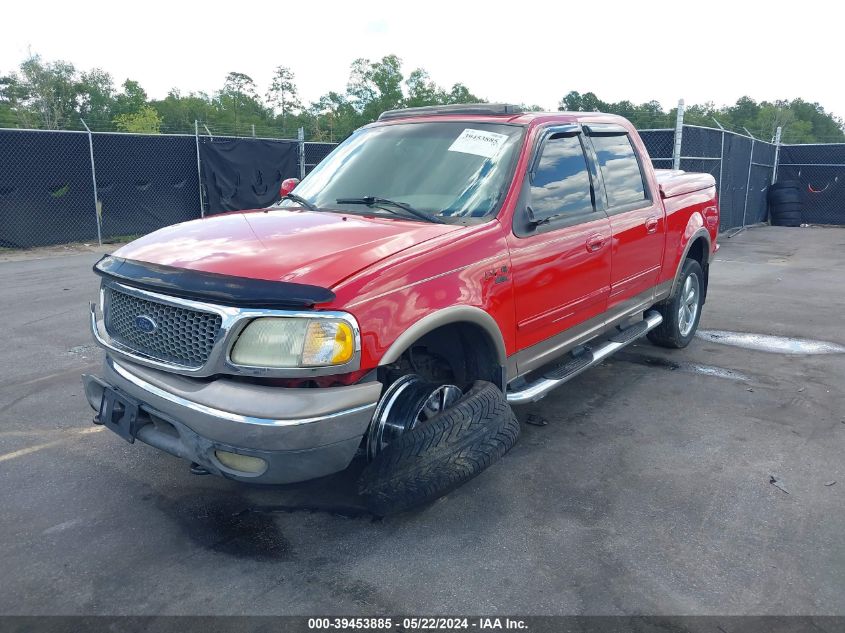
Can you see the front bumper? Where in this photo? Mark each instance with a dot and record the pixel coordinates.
(299, 433)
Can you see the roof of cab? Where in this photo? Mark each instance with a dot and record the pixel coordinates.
(491, 112)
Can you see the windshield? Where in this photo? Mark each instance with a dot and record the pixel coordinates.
(445, 169)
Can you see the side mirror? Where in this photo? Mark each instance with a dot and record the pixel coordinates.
(288, 185)
(533, 219)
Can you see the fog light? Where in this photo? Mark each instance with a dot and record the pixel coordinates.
(242, 463)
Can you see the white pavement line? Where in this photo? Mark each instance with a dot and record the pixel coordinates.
(38, 447)
(27, 451)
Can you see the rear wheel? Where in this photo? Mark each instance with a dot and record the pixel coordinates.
(682, 311)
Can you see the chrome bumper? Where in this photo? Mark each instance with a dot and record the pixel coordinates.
(300, 433)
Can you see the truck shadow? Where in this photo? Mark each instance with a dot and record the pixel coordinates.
(336, 495)
(240, 520)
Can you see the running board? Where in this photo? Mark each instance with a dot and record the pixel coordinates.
(565, 372)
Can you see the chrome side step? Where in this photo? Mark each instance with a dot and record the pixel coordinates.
(567, 371)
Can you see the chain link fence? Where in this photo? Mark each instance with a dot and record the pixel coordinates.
(144, 182)
(660, 144)
(819, 170)
(72, 186)
(314, 153)
(46, 188)
(58, 187)
(742, 166)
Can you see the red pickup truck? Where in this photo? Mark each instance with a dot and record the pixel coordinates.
(440, 265)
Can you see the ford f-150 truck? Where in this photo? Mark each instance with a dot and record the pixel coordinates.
(440, 265)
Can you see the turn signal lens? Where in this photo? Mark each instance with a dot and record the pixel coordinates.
(328, 343)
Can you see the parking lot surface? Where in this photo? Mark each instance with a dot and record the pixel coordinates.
(649, 491)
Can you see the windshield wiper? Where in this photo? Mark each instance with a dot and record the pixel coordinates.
(374, 201)
(301, 201)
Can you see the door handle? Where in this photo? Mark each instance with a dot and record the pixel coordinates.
(651, 225)
(595, 242)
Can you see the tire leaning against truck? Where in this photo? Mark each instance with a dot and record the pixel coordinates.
(436, 457)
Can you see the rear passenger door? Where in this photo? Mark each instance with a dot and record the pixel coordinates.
(560, 248)
(637, 222)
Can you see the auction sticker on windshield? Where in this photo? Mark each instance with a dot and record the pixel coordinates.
(479, 142)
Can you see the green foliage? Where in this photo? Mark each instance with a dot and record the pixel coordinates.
(373, 88)
(96, 96)
(422, 91)
(43, 95)
(132, 99)
(53, 95)
(144, 121)
(8, 116)
(283, 94)
(802, 122)
(645, 115)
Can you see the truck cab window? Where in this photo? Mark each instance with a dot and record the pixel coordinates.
(560, 184)
(623, 178)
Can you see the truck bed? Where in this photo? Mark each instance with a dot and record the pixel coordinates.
(676, 182)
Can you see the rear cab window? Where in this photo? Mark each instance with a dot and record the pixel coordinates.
(621, 171)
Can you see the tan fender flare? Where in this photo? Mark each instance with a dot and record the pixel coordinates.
(448, 316)
(701, 232)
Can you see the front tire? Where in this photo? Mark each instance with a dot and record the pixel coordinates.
(441, 453)
(682, 311)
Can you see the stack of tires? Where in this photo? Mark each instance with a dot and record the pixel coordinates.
(785, 203)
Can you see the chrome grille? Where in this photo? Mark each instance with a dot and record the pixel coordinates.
(180, 335)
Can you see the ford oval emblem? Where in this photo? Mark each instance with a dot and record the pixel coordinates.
(146, 324)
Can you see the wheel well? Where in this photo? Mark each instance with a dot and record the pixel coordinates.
(699, 252)
(460, 352)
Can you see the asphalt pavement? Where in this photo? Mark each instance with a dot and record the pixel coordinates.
(649, 491)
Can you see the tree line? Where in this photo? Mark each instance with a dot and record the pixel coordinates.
(56, 95)
(801, 121)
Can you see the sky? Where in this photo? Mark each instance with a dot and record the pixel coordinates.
(519, 52)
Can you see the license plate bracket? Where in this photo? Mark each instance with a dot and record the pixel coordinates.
(120, 413)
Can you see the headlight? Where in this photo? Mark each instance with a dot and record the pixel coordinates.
(294, 342)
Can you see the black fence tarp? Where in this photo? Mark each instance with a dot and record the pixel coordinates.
(820, 170)
(762, 171)
(46, 190)
(145, 182)
(245, 173)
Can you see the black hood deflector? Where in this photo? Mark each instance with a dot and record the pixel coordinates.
(241, 292)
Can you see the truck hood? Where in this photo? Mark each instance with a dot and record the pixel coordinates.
(310, 247)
